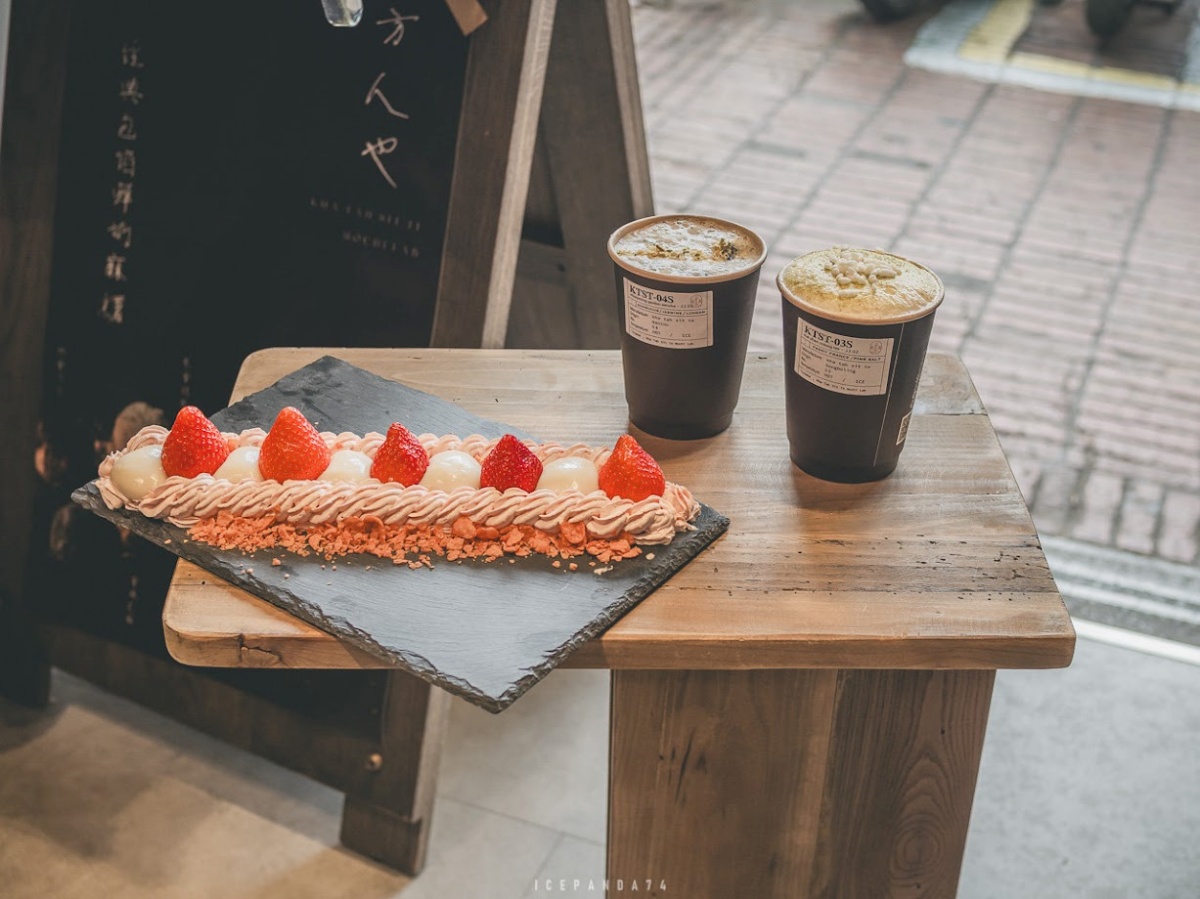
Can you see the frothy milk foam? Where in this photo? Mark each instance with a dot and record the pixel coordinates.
(857, 285)
(688, 247)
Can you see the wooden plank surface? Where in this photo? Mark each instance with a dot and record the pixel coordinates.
(938, 566)
(597, 157)
(497, 132)
(590, 174)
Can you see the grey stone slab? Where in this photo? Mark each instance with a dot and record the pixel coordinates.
(484, 631)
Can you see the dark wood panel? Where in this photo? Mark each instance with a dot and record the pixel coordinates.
(541, 316)
(33, 97)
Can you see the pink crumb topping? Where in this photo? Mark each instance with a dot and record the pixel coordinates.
(411, 546)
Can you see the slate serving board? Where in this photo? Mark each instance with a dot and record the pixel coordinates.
(484, 631)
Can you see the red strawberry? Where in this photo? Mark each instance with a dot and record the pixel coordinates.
(631, 472)
(194, 446)
(510, 464)
(293, 449)
(400, 457)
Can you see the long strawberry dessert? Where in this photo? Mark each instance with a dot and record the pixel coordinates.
(397, 496)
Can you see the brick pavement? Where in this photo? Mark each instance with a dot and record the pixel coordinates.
(1065, 228)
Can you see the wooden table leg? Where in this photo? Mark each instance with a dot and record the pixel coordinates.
(793, 784)
(389, 821)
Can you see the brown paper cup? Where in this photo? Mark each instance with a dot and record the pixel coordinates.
(851, 376)
(684, 337)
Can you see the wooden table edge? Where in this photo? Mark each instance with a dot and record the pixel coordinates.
(1053, 648)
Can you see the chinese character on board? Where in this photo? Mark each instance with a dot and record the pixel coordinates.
(126, 162)
(376, 92)
(114, 267)
(129, 55)
(131, 91)
(122, 195)
(125, 129)
(122, 233)
(185, 389)
(381, 147)
(112, 308)
(398, 21)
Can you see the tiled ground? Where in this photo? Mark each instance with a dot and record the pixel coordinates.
(1066, 228)
(1086, 791)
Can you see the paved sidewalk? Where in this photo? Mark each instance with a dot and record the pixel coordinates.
(1066, 228)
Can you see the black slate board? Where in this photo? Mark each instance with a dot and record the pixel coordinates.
(484, 631)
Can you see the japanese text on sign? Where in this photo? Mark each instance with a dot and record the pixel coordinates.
(384, 146)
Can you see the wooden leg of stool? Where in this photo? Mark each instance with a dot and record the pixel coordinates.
(390, 820)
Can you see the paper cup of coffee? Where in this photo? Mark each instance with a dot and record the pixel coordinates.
(856, 326)
(686, 286)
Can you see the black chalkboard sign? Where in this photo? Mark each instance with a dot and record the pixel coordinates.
(240, 177)
(230, 179)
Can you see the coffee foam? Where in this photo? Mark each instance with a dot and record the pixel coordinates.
(857, 285)
(689, 247)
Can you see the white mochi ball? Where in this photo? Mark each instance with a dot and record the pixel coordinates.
(450, 469)
(570, 473)
(240, 465)
(348, 467)
(138, 472)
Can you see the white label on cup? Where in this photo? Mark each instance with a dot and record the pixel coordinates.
(853, 365)
(678, 321)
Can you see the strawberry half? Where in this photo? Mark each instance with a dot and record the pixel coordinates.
(631, 472)
(194, 445)
(400, 458)
(510, 464)
(293, 449)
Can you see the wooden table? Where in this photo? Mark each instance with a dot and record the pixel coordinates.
(801, 710)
